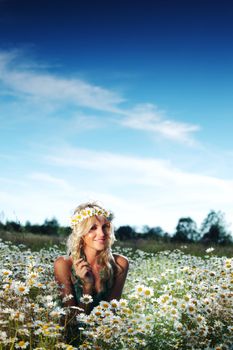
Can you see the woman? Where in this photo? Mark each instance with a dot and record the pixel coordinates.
(90, 267)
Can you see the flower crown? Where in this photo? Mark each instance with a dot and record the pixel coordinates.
(89, 212)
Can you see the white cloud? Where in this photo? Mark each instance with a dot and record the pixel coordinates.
(47, 93)
(49, 87)
(51, 180)
(153, 190)
(140, 191)
(6, 58)
(148, 117)
(35, 205)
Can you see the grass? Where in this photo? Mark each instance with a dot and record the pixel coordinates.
(33, 241)
(37, 242)
(197, 249)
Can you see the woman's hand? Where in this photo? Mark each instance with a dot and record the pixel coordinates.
(84, 272)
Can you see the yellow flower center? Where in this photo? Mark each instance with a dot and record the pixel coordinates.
(21, 343)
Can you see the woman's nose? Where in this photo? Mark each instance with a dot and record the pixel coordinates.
(101, 232)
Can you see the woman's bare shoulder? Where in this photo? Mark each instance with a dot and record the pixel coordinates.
(121, 261)
(63, 262)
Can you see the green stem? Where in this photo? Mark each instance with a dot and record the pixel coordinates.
(12, 345)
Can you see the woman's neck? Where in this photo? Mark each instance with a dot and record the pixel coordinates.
(91, 256)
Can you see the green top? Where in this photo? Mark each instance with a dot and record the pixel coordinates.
(78, 289)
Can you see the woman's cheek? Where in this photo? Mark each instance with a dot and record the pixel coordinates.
(91, 234)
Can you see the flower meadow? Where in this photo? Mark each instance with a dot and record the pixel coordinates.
(171, 301)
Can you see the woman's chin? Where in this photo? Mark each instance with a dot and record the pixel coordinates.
(101, 246)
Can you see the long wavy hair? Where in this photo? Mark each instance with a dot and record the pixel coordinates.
(75, 246)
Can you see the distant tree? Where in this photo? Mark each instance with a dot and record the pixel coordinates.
(166, 237)
(27, 226)
(64, 231)
(186, 231)
(13, 226)
(2, 226)
(153, 232)
(125, 232)
(34, 228)
(50, 227)
(145, 229)
(214, 228)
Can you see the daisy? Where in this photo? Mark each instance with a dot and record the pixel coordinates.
(116, 320)
(174, 313)
(148, 292)
(105, 304)
(123, 303)
(40, 285)
(85, 346)
(164, 299)
(114, 303)
(33, 275)
(97, 312)
(179, 283)
(228, 263)
(57, 312)
(22, 344)
(6, 286)
(86, 299)
(17, 316)
(209, 250)
(139, 289)
(70, 347)
(20, 288)
(107, 313)
(200, 319)
(187, 297)
(190, 308)
(178, 326)
(174, 302)
(6, 273)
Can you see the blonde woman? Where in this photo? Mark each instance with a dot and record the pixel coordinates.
(90, 267)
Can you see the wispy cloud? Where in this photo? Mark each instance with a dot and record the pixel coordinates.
(148, 188)
(37, 89)
(51, 180)
(138, 189)
(149, 118)
(150, 172)
(47, 86)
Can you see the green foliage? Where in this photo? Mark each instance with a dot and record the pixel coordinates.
(50, 227)
(186, 231)
(13, 226)
(214, 228)
(156, 233)
(125, 232)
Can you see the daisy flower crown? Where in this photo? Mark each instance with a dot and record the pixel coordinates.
(89, 212)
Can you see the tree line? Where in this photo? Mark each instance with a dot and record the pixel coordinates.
(213, 229)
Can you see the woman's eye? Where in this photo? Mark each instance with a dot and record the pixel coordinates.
(93, 228)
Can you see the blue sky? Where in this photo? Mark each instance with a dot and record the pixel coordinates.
(128, 103)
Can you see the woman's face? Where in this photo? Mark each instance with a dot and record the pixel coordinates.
(98, 236)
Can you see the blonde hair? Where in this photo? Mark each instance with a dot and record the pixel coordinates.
(75, 244)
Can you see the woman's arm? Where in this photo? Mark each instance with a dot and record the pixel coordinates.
(123, 266)
(62, 272)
